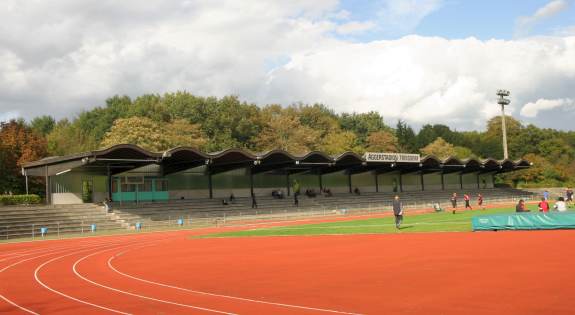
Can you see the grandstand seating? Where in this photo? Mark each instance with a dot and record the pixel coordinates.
(152, 213)
(24, 221)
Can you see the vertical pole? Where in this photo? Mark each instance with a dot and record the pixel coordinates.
(108, 173)
(422, 183)
(26, 184)
(504, 131)
(493, 180)
(287, 183)
(119, 183)
(47, 178)
(376, 182)
(442, 181)
(461, 180)
(320, 182)
(210, 183)
(400, 182)
(478, 186)
(349, 181)
(251, 180)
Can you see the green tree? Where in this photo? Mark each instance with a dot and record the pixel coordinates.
(284, 131)
(439, 148)
(43, 125)
(405, 137)
(141, 131)
(382, 141)
(362, 124)
(339, 142)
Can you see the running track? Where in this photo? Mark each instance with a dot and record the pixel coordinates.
(169, 273)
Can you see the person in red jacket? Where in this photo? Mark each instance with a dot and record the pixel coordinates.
(467, 200)
(480, 201)
(543, 205)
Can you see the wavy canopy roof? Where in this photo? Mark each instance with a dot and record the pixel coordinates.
(126, 156)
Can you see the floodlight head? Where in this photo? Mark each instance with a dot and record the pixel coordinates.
(503, 101)
(502, 93)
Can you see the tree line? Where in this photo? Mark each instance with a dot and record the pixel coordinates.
(159, 122)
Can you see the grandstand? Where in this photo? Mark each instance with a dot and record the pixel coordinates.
(155, 189)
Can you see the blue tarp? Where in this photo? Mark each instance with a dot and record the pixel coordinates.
(524, 221)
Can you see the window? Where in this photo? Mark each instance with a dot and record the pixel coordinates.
(161, 185)
(147, 186)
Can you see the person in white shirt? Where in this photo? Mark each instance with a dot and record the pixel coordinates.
(560, 205)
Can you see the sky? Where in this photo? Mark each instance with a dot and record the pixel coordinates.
(422, 61)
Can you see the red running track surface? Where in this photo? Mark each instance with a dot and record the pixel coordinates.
(170, 273)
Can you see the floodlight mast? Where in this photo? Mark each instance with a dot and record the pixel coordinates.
(503, 102)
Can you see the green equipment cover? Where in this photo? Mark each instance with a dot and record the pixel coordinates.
(524, 221)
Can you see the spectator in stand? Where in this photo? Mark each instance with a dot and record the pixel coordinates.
(546, 195)
(569, 195)
(560, 205)
(520, 207)
(480, 201)
(232, 198)
(295, 200)
(397, 211)
(454, 202)
(356, 191)
(467, 200)
(543, 205)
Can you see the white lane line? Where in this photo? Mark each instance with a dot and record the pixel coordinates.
(65, 295)
(220, 295)
(18, 306)
(75, 269)
(36, 250)
(61, 249)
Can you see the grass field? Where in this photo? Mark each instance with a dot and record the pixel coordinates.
(429, 222)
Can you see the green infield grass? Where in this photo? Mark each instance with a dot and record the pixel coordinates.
(428, 222)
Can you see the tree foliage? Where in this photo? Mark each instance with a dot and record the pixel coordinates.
(18, 144)
(158, 122)
(439, 148)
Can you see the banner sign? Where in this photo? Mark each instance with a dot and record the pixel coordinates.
(391, 157)
(524, 221)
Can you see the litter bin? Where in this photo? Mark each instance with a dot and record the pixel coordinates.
(180, 221)
(93, 228)
(138, 226)
(43, 231)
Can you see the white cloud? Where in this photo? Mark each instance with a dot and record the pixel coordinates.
(62, 57)
(403, 16)
(355, 27)
(532, 109)
(525, 23)
(424, 79)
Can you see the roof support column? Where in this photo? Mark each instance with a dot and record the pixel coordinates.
(251, 180)
(376, 182)
(461, 180)
(210, 188)
(320, 182)
(287, 183)
(400, 182)
(442, 181)
(109, 181)
(47, 179)
(493, 180)
(478, 173)
(422, 184)
(349, 181)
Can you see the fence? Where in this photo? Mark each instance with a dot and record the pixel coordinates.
(215, 219)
